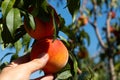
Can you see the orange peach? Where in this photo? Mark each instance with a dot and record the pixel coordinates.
(58, 54)
(83, 54)
(112, 29)
(83, 20)
(42, 29)
(113, 14)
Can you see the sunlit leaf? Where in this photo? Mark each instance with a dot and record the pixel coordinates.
(65, 40)
(13, 20)
(18, 46)
(7, 6)
(64, 75)
(26, 40)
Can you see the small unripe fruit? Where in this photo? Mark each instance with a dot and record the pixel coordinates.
(83, 20)
(83, 54)
(113, 14)
(112, 29)
(58, 54)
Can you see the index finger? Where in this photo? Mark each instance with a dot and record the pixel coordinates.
(22, 59)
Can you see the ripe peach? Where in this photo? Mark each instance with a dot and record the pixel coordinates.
(83, 20)
(111, 29)
(83, 54)
(43, 29)
(113, 14)
(58, 54)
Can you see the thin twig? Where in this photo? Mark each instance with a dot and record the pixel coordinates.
(110, 57)
(98, 35)
(79, 71)
(94, 25)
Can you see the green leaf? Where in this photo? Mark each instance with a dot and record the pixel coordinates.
(1, 27)
(18, 46)
(29, 19)
(6, 36)
(64, 75)
(13, 20)
(73, 7)
(13, 57)
(55, 25)
(7, 6)
(64, 40)
(32, 23)
(19, 3)
(26, 40)
(85, 35)
(19, 33)
(75, 66)
(85, 76)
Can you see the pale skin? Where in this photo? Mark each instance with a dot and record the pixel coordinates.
(22, 68)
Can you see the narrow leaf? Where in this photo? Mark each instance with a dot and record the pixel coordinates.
(73, 7)
(18, 46)
(7, 6)
(29, 19)
(85, 35)
(64, 75)
(55, 26)
(13, 20)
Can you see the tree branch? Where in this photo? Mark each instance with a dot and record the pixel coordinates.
(110, 51)
(94, 25)
(98, 35)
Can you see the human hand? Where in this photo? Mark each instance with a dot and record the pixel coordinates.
(22, 68)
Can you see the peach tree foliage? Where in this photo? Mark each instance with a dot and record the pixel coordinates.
(13, 34)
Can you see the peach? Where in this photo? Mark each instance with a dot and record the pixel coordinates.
(112, 29)
(42, 29)
(58, 54)
(113, 14)
(83, 20)
(83, 54)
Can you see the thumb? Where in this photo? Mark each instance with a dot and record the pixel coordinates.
(37, 63)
